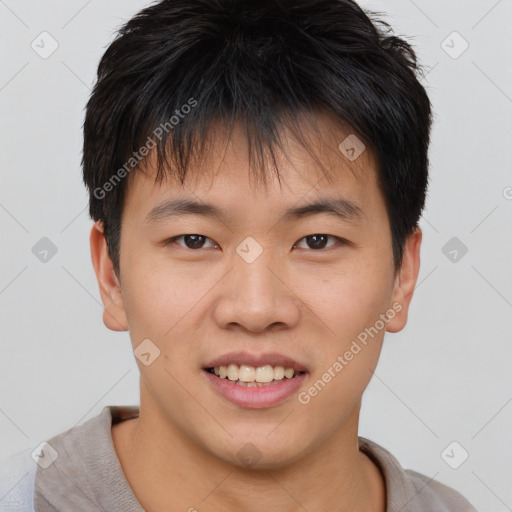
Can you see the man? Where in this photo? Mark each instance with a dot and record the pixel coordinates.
(256, 173)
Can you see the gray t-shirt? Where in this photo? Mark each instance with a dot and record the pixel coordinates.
(86, 475)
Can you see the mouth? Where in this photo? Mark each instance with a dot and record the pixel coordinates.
(251, 381)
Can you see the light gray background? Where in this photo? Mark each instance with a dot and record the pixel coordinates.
(445, 378)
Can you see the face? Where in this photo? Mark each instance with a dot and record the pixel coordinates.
(257, 285)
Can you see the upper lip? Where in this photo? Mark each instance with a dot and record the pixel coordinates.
(271, 358)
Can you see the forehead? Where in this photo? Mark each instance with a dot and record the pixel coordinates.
(334, 163)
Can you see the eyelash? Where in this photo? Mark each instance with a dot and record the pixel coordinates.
(340, 241)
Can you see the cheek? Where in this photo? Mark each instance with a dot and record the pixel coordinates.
(150, 304)
(350, 352)
(350, 303)
(163, 303)
(157, 295)
(349, 299)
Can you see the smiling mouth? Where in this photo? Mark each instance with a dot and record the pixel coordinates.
(249, 376)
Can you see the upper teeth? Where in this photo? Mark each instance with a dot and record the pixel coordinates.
(246, 373)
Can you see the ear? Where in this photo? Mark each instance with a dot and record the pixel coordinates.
(405, 281)
(114, 316)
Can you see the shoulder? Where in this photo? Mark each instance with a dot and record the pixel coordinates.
(77, 469)
(17, 476)
(439, 496)
(410, 491)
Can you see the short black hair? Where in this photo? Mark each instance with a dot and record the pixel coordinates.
(179, 65)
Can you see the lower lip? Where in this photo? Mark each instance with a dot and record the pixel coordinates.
(256, 397)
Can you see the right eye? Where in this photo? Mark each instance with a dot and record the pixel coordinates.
(194, 241)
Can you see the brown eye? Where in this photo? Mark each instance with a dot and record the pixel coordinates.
(318, 241)
(192, 241)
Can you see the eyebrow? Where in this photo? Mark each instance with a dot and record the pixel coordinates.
(341, 208)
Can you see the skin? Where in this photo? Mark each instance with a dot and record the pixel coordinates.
(198, 303)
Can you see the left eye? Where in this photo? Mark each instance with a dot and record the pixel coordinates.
(318, 241)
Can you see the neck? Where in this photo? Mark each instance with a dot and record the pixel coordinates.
(168, 471)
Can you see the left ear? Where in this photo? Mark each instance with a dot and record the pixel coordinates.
(405, 281)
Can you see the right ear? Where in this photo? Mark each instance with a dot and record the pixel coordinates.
(114, 315)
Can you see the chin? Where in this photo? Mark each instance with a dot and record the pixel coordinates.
(260, 453)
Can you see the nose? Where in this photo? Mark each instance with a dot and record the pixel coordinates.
(257, 297)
